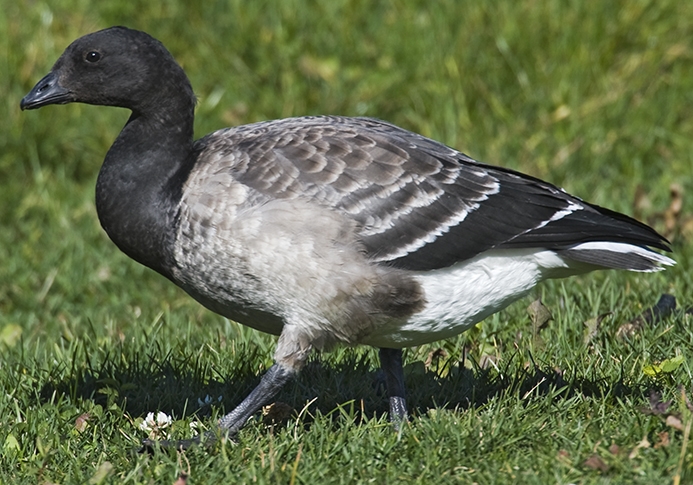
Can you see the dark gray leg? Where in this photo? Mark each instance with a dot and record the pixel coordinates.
(391, 363)
(273, 380)
(269, 386)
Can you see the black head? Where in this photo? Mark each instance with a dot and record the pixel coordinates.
(113, 67)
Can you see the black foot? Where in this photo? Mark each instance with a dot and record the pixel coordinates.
(398, 412)
(391, 363)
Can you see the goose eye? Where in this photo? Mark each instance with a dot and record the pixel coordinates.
(93, 56)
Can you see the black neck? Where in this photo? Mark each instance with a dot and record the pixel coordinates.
(140, 183)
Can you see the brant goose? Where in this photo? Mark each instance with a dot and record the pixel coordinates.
(323, 230)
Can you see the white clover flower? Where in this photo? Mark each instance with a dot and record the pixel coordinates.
(154, 425)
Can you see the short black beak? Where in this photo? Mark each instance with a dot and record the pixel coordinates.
(47, 91)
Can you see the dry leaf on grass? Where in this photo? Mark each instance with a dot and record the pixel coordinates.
(435, 356)
(182, 479)
(672, 214)
(592, 327)
(595, 462)
(643, 444)
(664, 307)
(657, 406)
(674, 422)
(663, 440)
(81, 421)
(672, 221)
(539, 314)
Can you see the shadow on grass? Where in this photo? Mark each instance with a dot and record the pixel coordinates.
(142, 383)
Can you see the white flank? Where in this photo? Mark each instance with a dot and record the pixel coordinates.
(464, 294)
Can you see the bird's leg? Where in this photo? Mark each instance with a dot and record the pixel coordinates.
(273, 380)
(292, 352)
(391, 363)
(270, 384)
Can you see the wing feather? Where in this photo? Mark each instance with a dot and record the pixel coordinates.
(419, 204)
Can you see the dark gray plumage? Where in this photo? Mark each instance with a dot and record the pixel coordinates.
(323, 230)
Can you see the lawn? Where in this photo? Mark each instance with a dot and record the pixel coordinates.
(596, 97)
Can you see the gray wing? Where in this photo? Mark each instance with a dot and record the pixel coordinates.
(419, 204)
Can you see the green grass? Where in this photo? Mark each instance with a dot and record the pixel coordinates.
(594, 96)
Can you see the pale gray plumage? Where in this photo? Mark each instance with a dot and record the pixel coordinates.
(324, 230)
